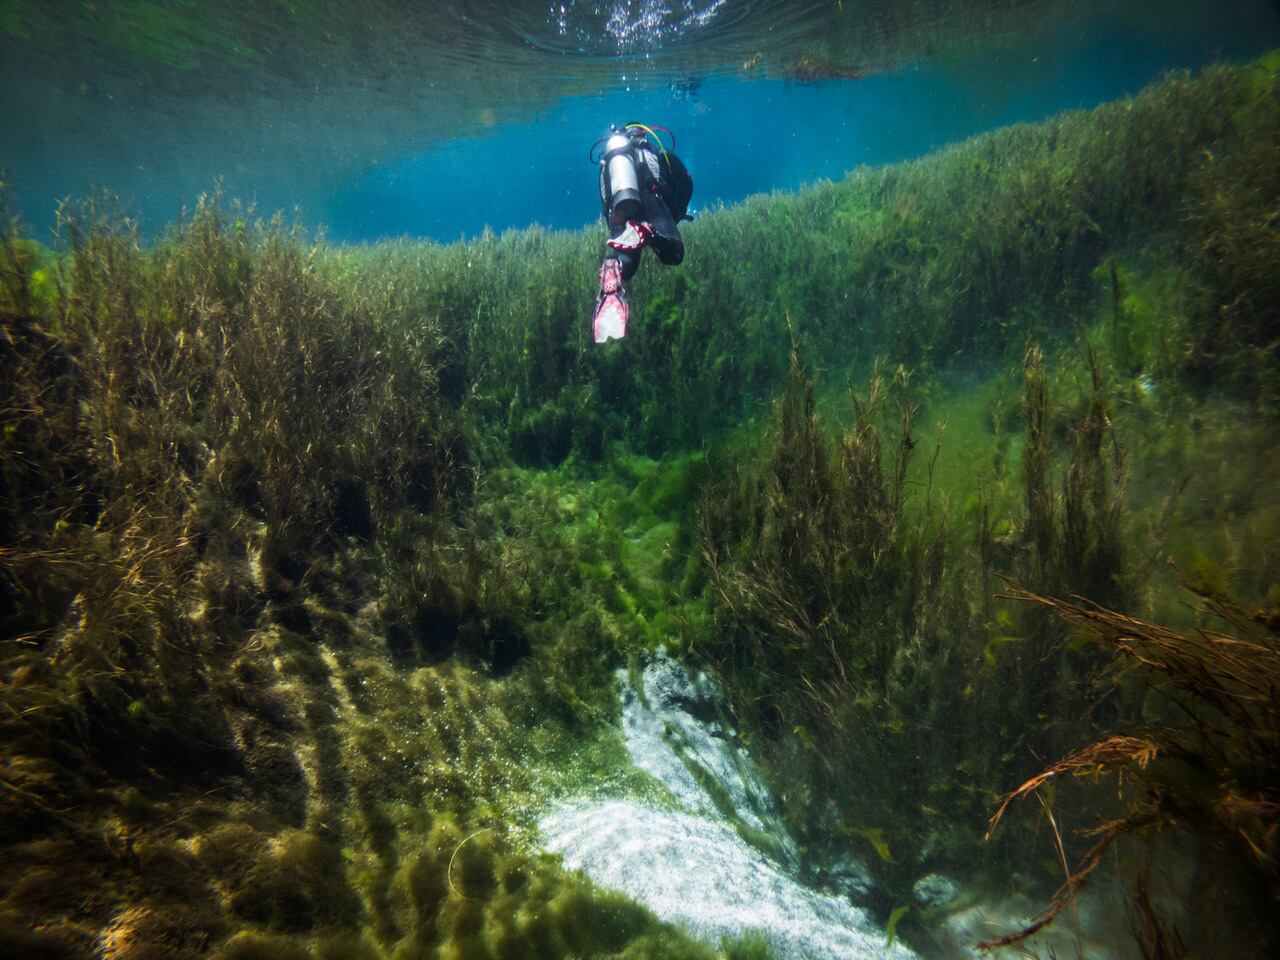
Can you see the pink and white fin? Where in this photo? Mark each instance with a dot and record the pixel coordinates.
(611, 318)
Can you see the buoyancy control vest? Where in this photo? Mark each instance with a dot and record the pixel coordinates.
(629, 166)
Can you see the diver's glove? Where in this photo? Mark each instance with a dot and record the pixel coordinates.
(634, 237)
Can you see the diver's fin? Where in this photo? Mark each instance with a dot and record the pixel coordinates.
(610, 320)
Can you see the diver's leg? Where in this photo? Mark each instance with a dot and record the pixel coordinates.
(665, 239)
(629, 261)
(627, 244)
(609, 321)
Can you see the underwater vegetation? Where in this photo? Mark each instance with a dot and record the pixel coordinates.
(1205, 763)
(317, 563)
(932, 263)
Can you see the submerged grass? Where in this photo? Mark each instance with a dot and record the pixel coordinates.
(265, 637)
(317, 562)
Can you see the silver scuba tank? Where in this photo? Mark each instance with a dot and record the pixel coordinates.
(623, 183)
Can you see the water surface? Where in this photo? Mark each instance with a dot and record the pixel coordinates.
(394, 118)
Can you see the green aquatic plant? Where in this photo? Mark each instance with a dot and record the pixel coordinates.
(952, 258)
(947, 653)
(752, 945)
(27, 269)
(826, 580)
(891, 928)
(300, 886)
(256, 947)
(1075, 534)
(318, 562)
(816, 550)
(212, 466)
(1234, 241)
(347, 946)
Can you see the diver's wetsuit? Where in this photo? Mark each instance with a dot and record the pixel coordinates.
(665, 190)
(644, 193)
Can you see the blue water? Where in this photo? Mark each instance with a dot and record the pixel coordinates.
(738, 135)
(743, 138)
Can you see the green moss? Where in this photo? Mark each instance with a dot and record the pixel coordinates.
(597, 922)
(297, 887)
(504, 904)
(346, 946)
(461, 924)
(135, 807)
(340, 548)
(659, 946)
(425, 881)
(471, 866)
(254, 947)
(752, 945)
(230, 850)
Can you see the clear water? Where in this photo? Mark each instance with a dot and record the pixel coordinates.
(400, 119)
(685, 859)
(432, 746)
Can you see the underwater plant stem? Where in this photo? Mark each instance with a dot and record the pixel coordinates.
(452, 856)
(1057, 842)
(1109, 832)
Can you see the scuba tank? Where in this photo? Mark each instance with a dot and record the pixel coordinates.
(618, 180)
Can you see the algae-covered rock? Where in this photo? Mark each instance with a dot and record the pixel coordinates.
(471, 867)
(297, 884)
(347, 946)
(250, 946)
(936, 890)
(56, 942)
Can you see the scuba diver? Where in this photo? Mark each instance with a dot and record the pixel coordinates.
(644, 193)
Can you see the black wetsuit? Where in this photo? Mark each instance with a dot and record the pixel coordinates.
(665, 190)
